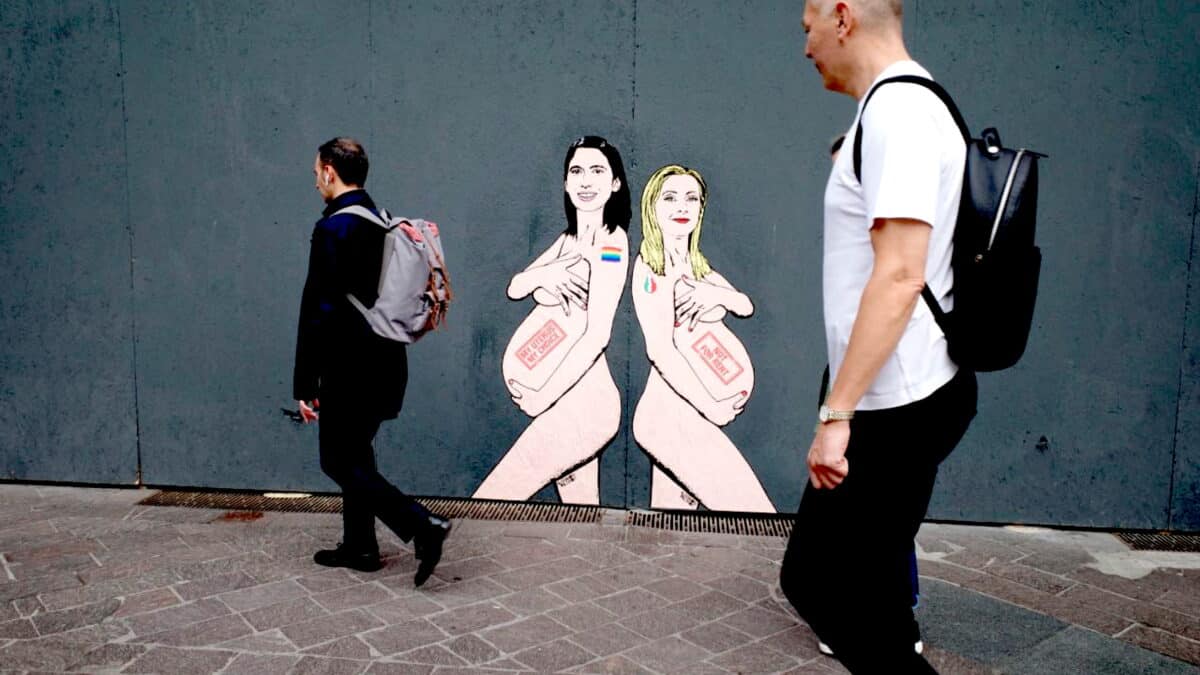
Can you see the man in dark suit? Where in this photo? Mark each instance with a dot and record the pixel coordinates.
(351, 377)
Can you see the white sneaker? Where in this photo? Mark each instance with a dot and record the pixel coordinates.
(918, 647)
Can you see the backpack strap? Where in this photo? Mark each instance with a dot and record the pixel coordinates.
(909, 79)
(939, 315)
(381, 219)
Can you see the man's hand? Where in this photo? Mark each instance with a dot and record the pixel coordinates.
(309, 412)
(827, 463)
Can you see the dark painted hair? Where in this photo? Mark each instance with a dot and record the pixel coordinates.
(347, 158)
(617, 211)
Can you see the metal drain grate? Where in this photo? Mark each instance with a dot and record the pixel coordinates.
(1143, 541)
(712, 523)
(451, 508)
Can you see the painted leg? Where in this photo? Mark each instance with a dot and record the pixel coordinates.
(581, 486)
(666, 493)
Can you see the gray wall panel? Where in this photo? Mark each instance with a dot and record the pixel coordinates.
(227, 103)
(475, 107)
(1185, 493)
(1099, 92)
(66, 361)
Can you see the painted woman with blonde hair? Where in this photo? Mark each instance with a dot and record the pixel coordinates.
(700, 376)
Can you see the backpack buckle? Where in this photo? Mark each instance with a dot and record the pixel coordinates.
(991, 142)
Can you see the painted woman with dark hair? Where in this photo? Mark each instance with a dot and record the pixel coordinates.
(554, 366)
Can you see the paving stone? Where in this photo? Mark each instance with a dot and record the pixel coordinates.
(232, 581)
(741, 587)
(944, 571)
(459, 593)
(525, 633)
(950, 663)
(433, 654)
(202, 634)
(344, 648)
(270, 642)
(1147, 588)
(404, 609)
(607, 639)
(798, 642)
(581, 589)
(1186, 602)
(1142, 612)
(284, 614)
(630, 602)
(754, 659)
(544, 573)
(460, 570)
(659, 623)
(175, 617)
(711, 605)
(532, 601)
(472, 618)
(1037, 579)
(1164, 643)
(473, 649)
(676, 589)
(148, 601)
(1081, 651)
(330, 627)
(180, 661)
(614, 665)
(667, 654)
(261, 596)
(350, 597)
(583, 616)
(387, 668)
(403, 637)
(759, 622)
(51, 654)
(20, 629)
(635, 574)
(554, 657)
(68, 564)
(716, 637)
(109, 656)
(538, 552)
(261, 664)
(320, 665)
(13, 590)
(327, 580)
(68, 619)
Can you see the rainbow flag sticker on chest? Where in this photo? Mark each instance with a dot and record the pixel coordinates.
(610, 254)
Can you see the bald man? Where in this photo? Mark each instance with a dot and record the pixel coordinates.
(897, 404)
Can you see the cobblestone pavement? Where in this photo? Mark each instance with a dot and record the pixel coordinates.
(93, 582)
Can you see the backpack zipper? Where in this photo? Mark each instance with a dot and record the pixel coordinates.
(1012, 174)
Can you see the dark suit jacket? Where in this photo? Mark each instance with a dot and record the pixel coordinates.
(338, 357)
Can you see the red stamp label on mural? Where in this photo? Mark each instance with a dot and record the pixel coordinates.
(717, 358)
(540, 344)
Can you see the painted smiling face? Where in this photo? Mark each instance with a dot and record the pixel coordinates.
(678, 206)
(590, 180)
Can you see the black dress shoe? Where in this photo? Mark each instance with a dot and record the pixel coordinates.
(427, 547)
(342, 557)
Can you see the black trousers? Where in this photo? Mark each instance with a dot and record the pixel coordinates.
(348, 457)
(847, 566)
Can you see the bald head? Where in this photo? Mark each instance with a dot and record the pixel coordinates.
(871, 13)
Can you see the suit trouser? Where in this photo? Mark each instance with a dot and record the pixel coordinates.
(348, 457)
(847, 567)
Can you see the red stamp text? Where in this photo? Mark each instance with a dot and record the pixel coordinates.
(717, 358)
(540, 344)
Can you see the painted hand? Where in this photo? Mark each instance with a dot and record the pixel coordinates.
(530, 401)
(695, 299)
(565, 284)
(724, 410)
(827, 463)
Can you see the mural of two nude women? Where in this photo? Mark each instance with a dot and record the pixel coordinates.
(556, 369)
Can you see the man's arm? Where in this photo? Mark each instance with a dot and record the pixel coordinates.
(888, 300)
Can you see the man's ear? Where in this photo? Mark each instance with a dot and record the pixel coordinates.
(845, 19)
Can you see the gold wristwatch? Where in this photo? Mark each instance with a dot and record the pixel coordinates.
(827, 414)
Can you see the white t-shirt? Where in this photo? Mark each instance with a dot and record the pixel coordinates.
(912, 167)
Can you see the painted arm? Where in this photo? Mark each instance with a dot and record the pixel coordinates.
(606, 282)
(708, 299)
(549, 281)
(654, 304)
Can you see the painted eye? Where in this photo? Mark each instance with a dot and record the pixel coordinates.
(576, 170)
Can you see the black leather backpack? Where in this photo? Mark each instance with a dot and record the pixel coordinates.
(996, 264)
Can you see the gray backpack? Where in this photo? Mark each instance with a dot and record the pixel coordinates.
(414, 287)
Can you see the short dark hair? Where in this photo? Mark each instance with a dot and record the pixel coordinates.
(348, 159)
(617, 210)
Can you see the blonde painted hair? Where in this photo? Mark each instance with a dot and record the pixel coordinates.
(652, 237)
